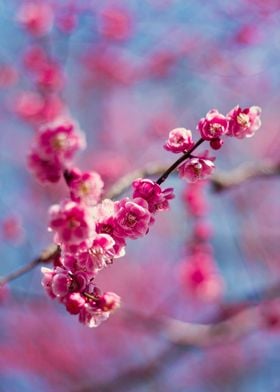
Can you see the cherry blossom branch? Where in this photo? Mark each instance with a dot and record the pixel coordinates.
(185, 156)
(220, 182)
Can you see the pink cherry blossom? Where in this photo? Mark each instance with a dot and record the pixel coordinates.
(200, 278)
(244, 122)
(49, 75)
(213, 126)
(196, 168)
(91, 316)
(99, 254)
(44, 170)
(104, 215)
(98, 309)
(115, 23)
(157, 199)
(216, 143)
(109, 301)
(59, 282)
(84, 187)
(34, 58)
(102, 250)
(133, 218)
(60, 139)
(36, 17)
(70, 222)
(179, 140)
(74, 303)
(56, 281)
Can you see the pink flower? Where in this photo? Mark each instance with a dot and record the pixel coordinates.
(59, 282)
(55, 146)
(133, 218)
(70, 222)
(97, 310)
(60, 140)
(194, 199)
(34, 58)
(84, 187)
(200, 277)
(109, 301)
(244, 122)
(213, 126)
(102, 250)
(36, 17)
(196, 168)
(91, 316)
(74, 303)
(44, 170)
(104, 215)
(115, 23)
(97, 256)
(150, 191)
(50, 75)
(179, 140)
(56, 281)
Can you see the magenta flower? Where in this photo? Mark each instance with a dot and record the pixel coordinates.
(84, 187)
(59, 282)
(74, 302)
(150, 191)
(36, 17)
(97, 310)
(196, 168)
(44, 170)
(60, 139)
(200, 278)
(56, 282)
(213, 126)
(133, 218)
(91, 316)
(55, 146)
(70, 222)
(179, 140)
(244, 122)
(109, 301)
(97, 256)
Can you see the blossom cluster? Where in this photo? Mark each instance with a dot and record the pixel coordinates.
(239, 123)
(54, 148)
(91, 233)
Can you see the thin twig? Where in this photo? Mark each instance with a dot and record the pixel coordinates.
(49, 254)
